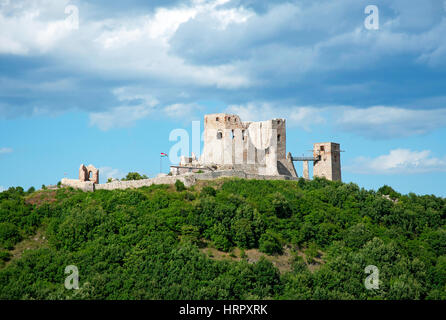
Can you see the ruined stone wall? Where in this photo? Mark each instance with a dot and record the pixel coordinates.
(258, 147)
(188, 180)
(77, 184)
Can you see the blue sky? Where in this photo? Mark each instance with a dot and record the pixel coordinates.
(106, 82)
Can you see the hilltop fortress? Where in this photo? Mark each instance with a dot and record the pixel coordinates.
(233, 148)
(257, 148)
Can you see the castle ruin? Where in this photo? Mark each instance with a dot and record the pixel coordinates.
(232, 148)
(256, 148)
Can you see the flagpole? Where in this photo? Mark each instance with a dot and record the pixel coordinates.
(162, 155)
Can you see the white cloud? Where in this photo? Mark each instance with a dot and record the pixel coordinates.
(2, 189)
(377, 122)
(389, 122)
(136, 107)
(108, 172)
(302, 117)
(398, 161)
(5, 150)
(135, 46)
(208, 47)
(26, 26)
(119, 117)
(182, 110)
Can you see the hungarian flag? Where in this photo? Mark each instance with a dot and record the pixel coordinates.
(163, 154)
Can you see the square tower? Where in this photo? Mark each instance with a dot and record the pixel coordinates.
(329, 163)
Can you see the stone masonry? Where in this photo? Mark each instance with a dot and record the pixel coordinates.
(232, 148)
(329, 165)
(89, 173)
(231, 144)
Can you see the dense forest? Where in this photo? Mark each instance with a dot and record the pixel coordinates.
(173, 242)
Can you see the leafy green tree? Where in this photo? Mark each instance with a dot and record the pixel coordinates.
(31, 190)
(9, 235)
(134, 176)
(269, 243)
(179, 186)
(208, 191)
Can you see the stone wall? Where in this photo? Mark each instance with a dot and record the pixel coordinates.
(77, 184)
(255, 147)
(188, 180)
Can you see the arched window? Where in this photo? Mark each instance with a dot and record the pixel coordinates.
(219, 135)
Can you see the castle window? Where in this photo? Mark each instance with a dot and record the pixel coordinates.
(219, 135)
(322, 148)
(217, 119)
(243, 135)
(232, 132)
(278, 138)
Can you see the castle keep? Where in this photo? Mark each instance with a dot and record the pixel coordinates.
(251, 147)
(233, 148)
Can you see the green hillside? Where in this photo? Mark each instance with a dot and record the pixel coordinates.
(223, 239)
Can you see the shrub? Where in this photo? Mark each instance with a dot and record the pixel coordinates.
(9, 235)
(269, 243)
(31, 190)
(134, 176)
(281, 206)
(208, 191)
(387, 190)
(179, 186)
(4, 256)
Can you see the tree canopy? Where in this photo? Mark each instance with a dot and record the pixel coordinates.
(147, 243)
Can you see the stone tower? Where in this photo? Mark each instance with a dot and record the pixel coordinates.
(329, 163)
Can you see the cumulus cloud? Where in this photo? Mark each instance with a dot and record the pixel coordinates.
(399, 161)
(389, 122)
(302, 117)
(108, 172)
(307, 53)
(136, 106)
(377, 122)
(119, 117)
(5, 150)
(182, 111)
